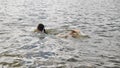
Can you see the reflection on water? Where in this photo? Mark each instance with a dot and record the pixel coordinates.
(21, 48)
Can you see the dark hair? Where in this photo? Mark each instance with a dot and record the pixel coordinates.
(41, 27)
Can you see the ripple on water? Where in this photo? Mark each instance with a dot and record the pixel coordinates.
(11, 60)
(40, 54)
(20, 48)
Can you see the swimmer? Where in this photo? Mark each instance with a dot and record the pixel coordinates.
(40, 28)
(74, 33)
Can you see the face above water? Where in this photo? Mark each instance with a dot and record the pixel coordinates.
(74, 34)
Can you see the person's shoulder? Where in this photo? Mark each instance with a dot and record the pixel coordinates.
(36, 30)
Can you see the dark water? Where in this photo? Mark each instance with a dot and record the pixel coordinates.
(21, 48)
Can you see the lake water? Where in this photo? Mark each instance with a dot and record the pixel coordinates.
(21, 48)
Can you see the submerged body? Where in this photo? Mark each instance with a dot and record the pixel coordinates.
(74, 33)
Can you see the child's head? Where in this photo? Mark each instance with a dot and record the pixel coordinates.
(40, 27)
(75, 33)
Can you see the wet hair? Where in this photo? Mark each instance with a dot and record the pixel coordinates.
(41, 28)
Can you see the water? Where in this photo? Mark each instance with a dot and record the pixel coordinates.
(21, 48)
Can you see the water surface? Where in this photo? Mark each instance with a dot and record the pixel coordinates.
(21, 48)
